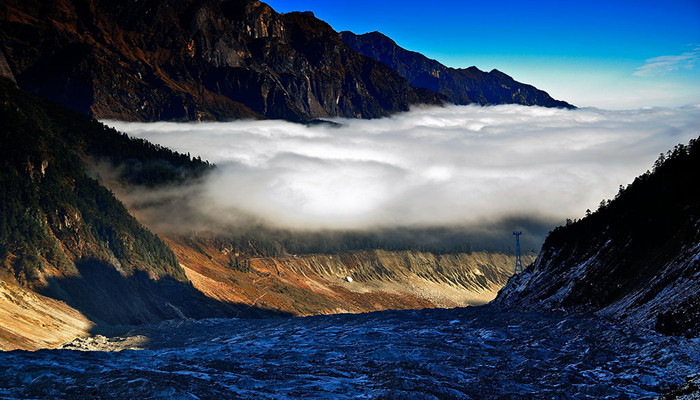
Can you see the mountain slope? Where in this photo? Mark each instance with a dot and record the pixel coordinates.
(31, 321)
(194, 59)
(65, 236)
(461, 86)
(637, 258)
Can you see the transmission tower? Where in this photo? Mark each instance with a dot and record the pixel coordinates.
(518, 261)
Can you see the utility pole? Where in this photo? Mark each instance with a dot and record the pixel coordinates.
(518, 261)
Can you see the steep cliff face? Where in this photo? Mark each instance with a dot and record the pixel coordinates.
(194, 59)
(636, 259)
(461, 86)
(357, 281)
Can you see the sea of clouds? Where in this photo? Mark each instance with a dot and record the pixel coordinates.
(439, 166)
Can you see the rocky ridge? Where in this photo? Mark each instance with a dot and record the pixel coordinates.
(459, 85)
(225, 59)
(194, 59)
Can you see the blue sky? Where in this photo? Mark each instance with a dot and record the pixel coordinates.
(607, 54)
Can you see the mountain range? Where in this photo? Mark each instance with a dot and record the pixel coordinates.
(219, 60)
(459, 85)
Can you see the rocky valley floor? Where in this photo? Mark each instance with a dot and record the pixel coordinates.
(468, 353)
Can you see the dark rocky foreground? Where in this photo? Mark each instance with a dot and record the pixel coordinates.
(473, 353)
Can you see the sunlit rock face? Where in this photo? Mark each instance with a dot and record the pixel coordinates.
(340, 282)
(5, 70)
(195, 60)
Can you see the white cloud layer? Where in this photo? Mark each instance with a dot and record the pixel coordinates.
(451, 166)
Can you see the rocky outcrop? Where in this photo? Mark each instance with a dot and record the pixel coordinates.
(460, 86)
(194, 59)
(636, 259)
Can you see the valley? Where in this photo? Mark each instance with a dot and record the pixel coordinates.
(77, 263)
(211, 199)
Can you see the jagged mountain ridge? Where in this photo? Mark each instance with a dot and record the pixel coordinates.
(226, 59)
(194, 59)
(637, 258)
(461, 86)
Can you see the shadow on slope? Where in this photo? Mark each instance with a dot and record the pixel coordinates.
(109, 299)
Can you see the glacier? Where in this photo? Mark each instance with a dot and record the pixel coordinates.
(464, 353)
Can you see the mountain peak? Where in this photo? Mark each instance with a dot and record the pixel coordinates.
(195, 59)
(374, 34)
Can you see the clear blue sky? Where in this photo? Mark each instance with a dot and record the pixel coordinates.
(608, 54)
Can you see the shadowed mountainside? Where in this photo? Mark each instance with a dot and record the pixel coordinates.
(64, 235)
(637, 258)
(461, 86)
(194, 59)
